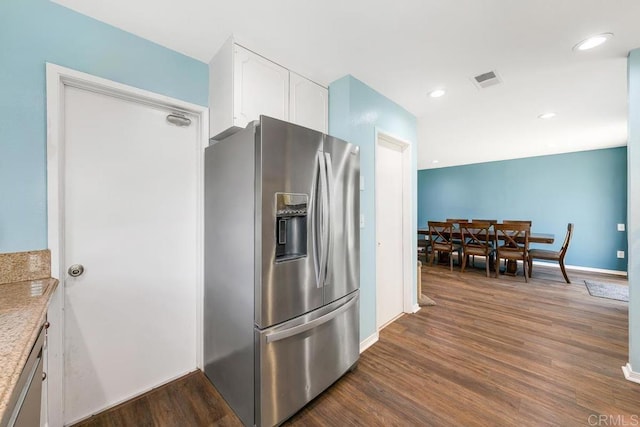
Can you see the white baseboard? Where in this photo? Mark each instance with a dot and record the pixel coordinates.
(580, 268)
(369, 341)
(415, 308)
(630, 375)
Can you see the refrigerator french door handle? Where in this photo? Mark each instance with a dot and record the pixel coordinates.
(313, 216)
(316, 218)
(324, 222)
(329, 214)
(296, 330)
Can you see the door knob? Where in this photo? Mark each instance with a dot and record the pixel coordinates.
(75, 270)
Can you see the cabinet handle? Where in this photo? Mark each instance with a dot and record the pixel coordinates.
(44, 376)
(47, 324)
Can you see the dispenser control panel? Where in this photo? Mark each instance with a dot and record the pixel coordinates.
(291, 226)
(290, 204)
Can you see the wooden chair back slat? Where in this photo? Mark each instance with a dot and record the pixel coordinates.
(457, 221)
(491, 221)
(567, 239)
(476, 233)
(516, 221)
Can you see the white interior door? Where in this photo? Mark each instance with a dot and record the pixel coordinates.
(130, 218)
(389, 230)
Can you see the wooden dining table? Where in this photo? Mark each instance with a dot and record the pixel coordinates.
(533, 237)
(512, 266)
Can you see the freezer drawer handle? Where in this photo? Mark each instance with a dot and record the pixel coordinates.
(296, 330)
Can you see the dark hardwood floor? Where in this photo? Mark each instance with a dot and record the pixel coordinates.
(492, 352)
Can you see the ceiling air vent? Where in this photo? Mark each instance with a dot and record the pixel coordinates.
(487, 79)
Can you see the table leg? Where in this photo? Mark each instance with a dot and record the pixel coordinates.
(512, 267)
(443, 258)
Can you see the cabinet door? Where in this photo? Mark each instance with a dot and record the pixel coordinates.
(259, 87)
(308, 103)
(29, 412)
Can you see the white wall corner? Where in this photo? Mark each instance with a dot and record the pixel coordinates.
(369, 341)
(416, 308)
(630, 375)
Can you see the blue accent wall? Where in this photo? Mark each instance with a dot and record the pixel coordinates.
(587, 188)
(634, 209)
(356, 112)
(33, 32)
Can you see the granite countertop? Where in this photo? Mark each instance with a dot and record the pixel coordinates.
(23, 309)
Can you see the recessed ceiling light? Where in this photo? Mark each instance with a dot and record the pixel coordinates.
(546, 116)
(435, 161)
(437, 93)
(593, 41)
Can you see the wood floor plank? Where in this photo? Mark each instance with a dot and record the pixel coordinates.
(188, 401)
(493, 351)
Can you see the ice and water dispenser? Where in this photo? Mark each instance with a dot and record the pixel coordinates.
(291, 226)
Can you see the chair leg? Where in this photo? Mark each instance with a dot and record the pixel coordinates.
(432, 255)
(451, 261)
(564, 272)
(464, 264)
(486, 265)
(496, 266)
(524, 269)
(530, 266)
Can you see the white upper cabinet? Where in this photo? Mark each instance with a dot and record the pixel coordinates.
(243, 85)
(308, 103)
(259, 87)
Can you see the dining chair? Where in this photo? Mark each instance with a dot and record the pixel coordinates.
(456, 226)
(441, 241)
(512, 244)
(491, 221)
(515, 221)
(424, 244)
(476, 241)
(549, 255)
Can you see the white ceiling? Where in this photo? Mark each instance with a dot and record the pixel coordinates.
(404, 49)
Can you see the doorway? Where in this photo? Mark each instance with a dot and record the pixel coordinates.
(124, 230)
(393, 228)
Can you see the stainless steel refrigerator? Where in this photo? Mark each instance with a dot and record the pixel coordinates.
(282, 267)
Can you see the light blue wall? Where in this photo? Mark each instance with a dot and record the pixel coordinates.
(587, 188)
(634, 209)
(33, 32)
(355, 113)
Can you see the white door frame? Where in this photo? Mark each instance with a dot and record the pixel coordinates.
(407, 218)
(57, 78)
